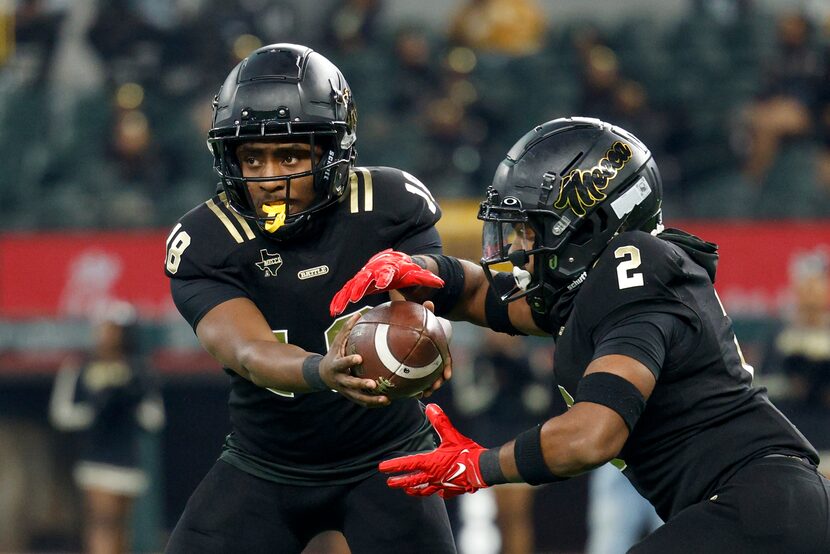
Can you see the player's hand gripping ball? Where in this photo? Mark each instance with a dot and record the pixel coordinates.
(403, 346)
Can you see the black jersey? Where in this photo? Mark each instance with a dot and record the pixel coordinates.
(704, 420)
(215, 255)
(110, 391)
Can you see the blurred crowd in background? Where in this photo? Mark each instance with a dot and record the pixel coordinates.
(105, 107)
(110, 101)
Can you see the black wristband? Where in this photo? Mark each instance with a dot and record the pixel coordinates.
(530, 462)
(311, 372)
(612, 391)
(490, 467)
(452, 272)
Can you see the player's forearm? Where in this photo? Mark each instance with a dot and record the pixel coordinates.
(470, 303)
(570, 446)
(237, 335)
(272, 365)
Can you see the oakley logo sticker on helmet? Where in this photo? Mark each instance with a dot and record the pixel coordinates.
(582, 189)
(270, 264)
(276, 212)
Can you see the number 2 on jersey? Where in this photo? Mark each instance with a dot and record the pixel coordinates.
(632, 261)
(628, 280)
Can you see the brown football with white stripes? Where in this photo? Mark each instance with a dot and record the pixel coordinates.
(403, 345)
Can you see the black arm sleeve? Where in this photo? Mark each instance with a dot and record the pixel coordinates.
(495, 312)
(196, 297)
(646, 337)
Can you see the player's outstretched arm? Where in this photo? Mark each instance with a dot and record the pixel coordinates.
(469, 304)
(387, 270)
(455, 467)
(588, 435)
(458, 287)
(236, 333)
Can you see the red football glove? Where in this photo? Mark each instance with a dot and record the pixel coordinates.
(387, 270)
(450, 470)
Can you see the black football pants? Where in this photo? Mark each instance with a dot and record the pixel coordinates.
(234, 512)
(772, 505)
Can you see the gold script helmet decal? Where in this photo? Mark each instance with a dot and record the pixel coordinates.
(581, 189)
(276, 210)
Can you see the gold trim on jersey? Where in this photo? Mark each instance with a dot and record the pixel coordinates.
(217, 211)
(226, 221)
(368, 195)
(353, 203)
(246, 227)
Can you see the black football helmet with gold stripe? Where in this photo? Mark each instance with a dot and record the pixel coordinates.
(570, 184)
(285, 92)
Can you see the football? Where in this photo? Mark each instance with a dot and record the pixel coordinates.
(404, 348)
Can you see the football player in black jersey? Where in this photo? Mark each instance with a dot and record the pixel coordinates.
(252, 270)
(645, 354)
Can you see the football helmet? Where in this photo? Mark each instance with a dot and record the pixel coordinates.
(563, 192)
(285, 92)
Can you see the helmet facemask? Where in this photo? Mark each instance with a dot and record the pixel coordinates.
(331, 157)
(510, 236)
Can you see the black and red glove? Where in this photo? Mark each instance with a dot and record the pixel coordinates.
(387, 270)
(450, 470)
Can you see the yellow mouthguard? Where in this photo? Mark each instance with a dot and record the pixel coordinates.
(277, 210)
